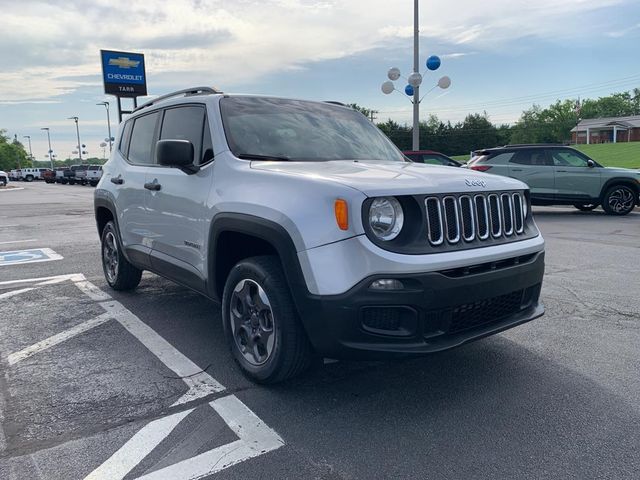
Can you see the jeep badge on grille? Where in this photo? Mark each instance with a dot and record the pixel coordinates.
(475, 183)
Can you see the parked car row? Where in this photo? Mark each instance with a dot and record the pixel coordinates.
(556, 175)
(80, 174)
(27, 174)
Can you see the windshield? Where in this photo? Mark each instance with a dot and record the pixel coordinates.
(302, 131)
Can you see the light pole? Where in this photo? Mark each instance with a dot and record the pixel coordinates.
(50, 150)
(75, 119)
(28, 137)
(414, 80)
(106, 106)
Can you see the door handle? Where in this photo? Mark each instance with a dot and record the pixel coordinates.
(117, 180)
(516, 169)
(154, 186)
(561, 171)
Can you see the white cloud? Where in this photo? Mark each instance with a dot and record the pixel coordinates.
(46, 48)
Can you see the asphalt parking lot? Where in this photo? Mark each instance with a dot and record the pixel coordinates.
(103, 385)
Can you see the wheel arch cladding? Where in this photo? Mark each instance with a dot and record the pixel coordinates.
(233, 237)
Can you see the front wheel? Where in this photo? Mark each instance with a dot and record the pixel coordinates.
(586, 207)
(29, 178)
(119, 273)
(261, 323)
(619, 200)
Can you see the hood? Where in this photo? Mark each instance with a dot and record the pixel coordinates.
(378, 178)
(622, 171)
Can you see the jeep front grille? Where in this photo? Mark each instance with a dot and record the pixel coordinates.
(467, 218)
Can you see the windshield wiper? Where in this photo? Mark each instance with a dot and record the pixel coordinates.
(253, 156)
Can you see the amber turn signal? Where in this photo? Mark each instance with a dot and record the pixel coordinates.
(342, 214)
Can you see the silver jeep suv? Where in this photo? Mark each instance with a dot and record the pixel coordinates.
(313, 231)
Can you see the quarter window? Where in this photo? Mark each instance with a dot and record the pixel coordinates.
(142, 139)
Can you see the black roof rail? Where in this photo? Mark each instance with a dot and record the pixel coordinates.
(336, 103)
(536, 145)
(186, 92)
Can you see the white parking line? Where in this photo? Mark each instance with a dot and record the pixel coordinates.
(255, 437)
(58, 338)
(15, 292)
(200, 383)
(137, 448)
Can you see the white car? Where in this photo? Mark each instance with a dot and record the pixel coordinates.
(314, 231)
(4, 179)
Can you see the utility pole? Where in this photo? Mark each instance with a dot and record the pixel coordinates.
(106, 105)
(50, 150)
(28, 137)
(416, 68)
(372, 115)
(75, 119)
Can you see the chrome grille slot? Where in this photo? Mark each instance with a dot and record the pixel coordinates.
(434, 221)
(507, 214)
(475, 218)
(518, 213)
(495, 215)
(482, 217)
(468, 220)
(451, 219)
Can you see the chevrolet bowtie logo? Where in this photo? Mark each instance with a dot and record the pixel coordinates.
(124, 62)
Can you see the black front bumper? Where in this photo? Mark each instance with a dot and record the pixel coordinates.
(436, 310)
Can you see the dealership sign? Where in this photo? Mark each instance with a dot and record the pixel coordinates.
(123, 73)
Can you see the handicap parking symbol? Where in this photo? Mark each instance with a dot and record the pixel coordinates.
(17, 257)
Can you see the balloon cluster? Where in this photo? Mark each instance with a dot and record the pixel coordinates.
(415, 79)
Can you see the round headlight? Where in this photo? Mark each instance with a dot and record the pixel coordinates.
(386, 218)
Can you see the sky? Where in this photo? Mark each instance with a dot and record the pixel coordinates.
(501, 55)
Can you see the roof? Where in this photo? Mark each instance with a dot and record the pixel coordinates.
(632, 121)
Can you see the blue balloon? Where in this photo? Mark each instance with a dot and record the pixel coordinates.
(433, 62)
(408, 90)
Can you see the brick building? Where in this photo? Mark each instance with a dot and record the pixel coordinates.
(607, 130)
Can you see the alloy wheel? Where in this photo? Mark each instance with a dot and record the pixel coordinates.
(252, 322)
(110, 257)
(621, 200)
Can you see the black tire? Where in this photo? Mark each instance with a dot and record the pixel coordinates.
(619, 200)
(291, 351)
(72, 182)
(28, 178)
(586, 207)
(118, 272)
(3, 183)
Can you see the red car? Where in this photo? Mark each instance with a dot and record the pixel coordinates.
(431, 157)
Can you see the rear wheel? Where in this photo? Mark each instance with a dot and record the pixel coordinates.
(261, 323)
(119, 273)
(586, 207)
(29, 178)
(619, 200)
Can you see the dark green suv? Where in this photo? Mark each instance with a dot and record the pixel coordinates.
(561, 175)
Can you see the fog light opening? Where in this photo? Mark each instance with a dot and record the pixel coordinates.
(387, 284)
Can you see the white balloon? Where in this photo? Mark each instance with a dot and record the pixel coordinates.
(393, 73)
(415, 79)
(387, 87)
(444, 82)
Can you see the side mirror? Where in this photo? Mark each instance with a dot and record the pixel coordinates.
(591, 163)
(176, 153)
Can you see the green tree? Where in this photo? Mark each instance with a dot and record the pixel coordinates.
(12, 153)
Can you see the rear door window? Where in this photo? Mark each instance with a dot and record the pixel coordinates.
(143, 137)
